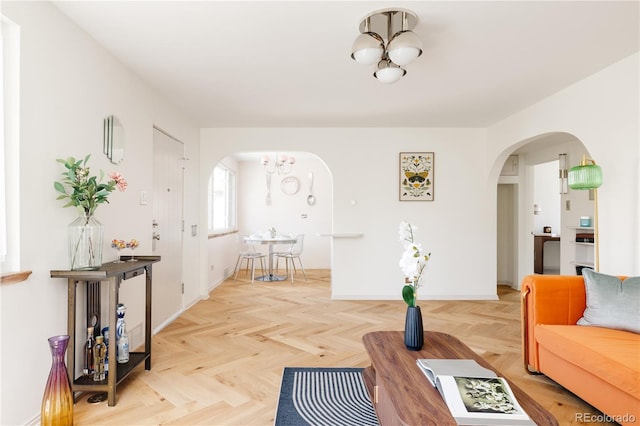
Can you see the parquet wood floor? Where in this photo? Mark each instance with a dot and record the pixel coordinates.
(220, 362)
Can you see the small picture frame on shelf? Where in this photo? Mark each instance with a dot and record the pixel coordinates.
(416, 176)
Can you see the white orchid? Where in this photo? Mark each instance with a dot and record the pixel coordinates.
(412, 262)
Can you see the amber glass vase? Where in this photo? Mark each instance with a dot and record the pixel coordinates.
(57, 401)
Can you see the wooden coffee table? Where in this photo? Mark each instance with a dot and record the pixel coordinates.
(402, 395)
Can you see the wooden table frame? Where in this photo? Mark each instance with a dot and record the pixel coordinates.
(402, 395)
(113, 274)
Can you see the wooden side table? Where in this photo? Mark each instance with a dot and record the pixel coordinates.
(112, 274)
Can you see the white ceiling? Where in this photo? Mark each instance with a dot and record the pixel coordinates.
(287, 64)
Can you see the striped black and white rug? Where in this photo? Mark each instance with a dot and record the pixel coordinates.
(324, 397)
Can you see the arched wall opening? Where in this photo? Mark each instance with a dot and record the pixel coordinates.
(268, 198)
(521, 187)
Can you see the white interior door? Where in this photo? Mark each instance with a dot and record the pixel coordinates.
(167, 225)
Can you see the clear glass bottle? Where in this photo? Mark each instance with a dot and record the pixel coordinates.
(123, 345)
(87, 369)
(99, 353)
(105, 334)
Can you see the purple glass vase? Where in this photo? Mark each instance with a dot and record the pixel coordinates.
(57, 401)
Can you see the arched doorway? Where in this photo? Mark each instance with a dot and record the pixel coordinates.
(518, 258)
(266, 198)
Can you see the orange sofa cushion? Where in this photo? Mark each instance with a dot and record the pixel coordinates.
(590, 348)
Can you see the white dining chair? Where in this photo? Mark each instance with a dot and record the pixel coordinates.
(291, 255)
(247, 252)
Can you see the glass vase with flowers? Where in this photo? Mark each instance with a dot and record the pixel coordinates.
(86, 193)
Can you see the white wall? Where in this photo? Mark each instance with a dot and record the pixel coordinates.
(547, 197)
(602, 112)
(289, 214)
(365, 200)
(68, 85)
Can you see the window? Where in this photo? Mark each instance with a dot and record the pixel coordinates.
(9, 152)
(222, 200)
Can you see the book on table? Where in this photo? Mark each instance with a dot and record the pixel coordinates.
(474, 395)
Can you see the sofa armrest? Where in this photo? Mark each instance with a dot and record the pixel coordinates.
(548, 299)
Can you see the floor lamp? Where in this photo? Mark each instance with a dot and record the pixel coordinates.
(588, 175)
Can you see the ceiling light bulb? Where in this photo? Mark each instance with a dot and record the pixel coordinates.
(388, 72)
(404, 47)
(367, 48)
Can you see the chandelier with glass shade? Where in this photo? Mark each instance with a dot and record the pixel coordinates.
(387, 40)
(282, 164)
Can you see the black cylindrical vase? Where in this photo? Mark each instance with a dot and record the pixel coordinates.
(413, 331)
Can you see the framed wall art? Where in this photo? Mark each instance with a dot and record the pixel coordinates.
(416, 176)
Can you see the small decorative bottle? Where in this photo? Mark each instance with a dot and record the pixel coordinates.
(122, 340)
(87, 369)
(123, 345)
(105, 334)
(99, 353)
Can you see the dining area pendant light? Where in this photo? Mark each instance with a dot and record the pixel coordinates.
(282, 164)
(386, 39)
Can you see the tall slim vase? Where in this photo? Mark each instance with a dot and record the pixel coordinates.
(85, 243)
(57, 401)
(413, 330)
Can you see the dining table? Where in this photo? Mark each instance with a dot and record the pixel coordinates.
(271, 241)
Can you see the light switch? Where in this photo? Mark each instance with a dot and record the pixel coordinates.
(144, 198)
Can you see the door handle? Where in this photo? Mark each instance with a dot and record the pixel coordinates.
(156, 237)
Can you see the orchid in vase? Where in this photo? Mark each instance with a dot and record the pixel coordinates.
(412, 262)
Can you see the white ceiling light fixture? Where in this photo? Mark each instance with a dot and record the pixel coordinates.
(386, 38)
(388, 72)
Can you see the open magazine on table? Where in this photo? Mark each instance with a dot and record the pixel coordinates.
(475, 395)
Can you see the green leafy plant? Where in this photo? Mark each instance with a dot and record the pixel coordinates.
(412, 262)
(84, 191)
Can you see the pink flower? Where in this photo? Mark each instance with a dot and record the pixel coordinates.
(121, 182)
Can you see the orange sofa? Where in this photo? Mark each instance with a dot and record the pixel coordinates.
(599, 365)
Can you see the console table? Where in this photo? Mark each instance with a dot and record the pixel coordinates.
(112, 274)
(402, 395)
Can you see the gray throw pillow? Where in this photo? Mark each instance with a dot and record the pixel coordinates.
(611, 302)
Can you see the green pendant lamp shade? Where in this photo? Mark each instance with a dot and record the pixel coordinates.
(589, 176)
(585, 176)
